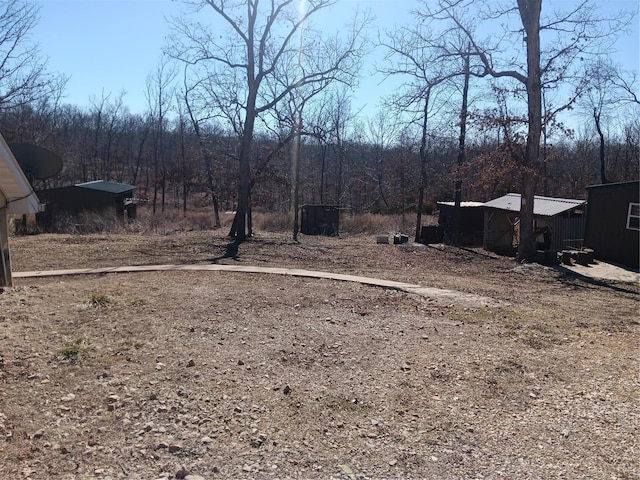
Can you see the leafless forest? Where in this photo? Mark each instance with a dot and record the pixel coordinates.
(288, 128)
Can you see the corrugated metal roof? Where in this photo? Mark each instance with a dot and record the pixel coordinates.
(462, 204)
(110, 187)
(15, 190)
(543, 206)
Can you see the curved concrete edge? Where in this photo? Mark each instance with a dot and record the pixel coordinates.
(452, 296)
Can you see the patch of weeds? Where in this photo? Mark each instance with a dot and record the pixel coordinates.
(191, 452)
(474, 316)
(133, 343)
(408, 306)
(536, 342)
(72, 349)
(511, 367)
(618, 326)
(99, 299)
(493, 388)
(544, 329)
(136, 302)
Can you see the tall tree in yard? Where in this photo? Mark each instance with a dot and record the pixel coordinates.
(570, 36)
(244, 63)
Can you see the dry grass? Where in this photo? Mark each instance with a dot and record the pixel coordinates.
(173, 220)
(382, 224)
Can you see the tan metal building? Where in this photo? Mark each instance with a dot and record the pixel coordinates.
(16, 198)
(563, 218)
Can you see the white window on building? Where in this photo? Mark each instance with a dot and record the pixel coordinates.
(633, 217)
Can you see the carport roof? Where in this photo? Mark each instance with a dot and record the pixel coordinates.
(542, 206)
(463, 204)
(109, 187)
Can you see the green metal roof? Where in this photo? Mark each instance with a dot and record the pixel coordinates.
(109, 187)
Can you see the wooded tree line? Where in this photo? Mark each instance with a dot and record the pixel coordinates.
(261, 118)
(359, 172)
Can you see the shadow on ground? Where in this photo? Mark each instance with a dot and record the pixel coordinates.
(231, 251)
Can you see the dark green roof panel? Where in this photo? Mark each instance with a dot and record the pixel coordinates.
(110, 187)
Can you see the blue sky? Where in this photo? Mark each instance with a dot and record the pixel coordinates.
(112, 46)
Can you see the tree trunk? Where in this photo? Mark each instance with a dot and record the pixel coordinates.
(207, 163)
(216, 209)
(530, 15)
(461, 151)
(185, 181)
(5, 260)
(322, 173)
(239, 226)
(155, 185)
(423, 166)
(163, 184)
(603, 169)
(295, 172)
(242, 218)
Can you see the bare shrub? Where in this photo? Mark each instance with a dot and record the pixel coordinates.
(272, 222)
(87, 222)
(374, 223)
(198, 220)
(174, 219)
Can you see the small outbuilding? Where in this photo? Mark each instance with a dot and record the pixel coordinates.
(97, 196)
(559, 223)
(612, 228)
(471, 229)
(319, 220)
(16, 198)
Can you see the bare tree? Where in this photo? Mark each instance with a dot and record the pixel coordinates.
(332, 126)
(571, 35)
(289, 115)
(627, 82)
(381, 131)
(607, 92)
(159, 93)
(462, 151)
(244, 63)
(23, 75)
(411, 54)
(91, 162)
(205, 150)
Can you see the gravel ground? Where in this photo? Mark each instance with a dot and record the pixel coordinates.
(239, 375)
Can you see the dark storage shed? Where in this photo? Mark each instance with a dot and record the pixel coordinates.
(97, 196)
(430, 234)
(319, 220)
(471, 222)
(613, 222)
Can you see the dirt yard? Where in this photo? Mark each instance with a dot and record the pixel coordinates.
(239, 375)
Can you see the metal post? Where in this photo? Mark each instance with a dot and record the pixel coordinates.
(5, 263)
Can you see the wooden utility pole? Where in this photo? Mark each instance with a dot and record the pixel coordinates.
(5, 261)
